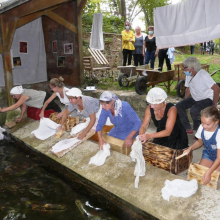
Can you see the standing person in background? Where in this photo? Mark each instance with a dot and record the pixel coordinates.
(208, 49)
(192, 47)
(150, 46)
(201, 48)
(162, 54)
(204, 48)
(138, 52)
(57, 86)
(128, 40)
(212, 47)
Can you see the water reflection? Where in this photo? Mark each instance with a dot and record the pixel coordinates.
(28, 191)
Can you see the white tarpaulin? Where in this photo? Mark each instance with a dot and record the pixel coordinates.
(188, 22)
(33, 67)
(96, 39)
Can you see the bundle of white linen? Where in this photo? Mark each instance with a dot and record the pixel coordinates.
(46, 129)
(179, 188)
(137, 156)
(1, 133)
(65, 144)
(100, 157)
(80, 127)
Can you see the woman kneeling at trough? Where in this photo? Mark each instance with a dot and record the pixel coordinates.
(29, 97)
(170, 132)
(85, 106)
(59, 90)
(125, 120)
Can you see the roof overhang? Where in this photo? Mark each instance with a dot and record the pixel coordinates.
(5, 6)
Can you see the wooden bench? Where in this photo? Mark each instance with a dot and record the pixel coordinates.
(98, 63)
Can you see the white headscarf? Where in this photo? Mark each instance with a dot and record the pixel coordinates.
(17, 90)
(108, 96)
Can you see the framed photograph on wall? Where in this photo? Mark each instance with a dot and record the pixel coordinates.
(16, 61)
(23, 46)
(54, 46)
(61, 61)
(68, 48)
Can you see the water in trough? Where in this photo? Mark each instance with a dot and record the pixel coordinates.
(29, 191)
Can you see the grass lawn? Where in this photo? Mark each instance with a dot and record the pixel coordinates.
(112, 84)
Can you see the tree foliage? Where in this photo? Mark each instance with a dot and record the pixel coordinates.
(147, 7)
(111, 23)
(127, 9)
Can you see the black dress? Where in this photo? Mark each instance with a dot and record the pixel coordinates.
(178, 138)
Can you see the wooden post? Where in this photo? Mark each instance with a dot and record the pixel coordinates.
(7, 32)
(80, 6)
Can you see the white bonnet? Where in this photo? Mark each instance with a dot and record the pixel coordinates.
(17, 90)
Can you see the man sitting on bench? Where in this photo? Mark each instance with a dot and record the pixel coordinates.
(204, 93)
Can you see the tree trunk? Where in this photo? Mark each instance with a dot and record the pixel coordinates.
(123, 10)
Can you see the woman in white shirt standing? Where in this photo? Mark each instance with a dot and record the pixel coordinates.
(57, 86)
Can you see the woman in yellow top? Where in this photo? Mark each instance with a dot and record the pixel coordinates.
(128, 40)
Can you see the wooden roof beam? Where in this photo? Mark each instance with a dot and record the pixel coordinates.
(61, 21)
(28, 18)
(33, 7)
(80, 4)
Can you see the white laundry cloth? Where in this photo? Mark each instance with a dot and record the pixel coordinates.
(46, 129)
(100, 157)
(170, 53)
(64, 144)
(96, 39)
(1, 133)
(80, 127)
(137, 156)
(185, 23)
(179, 188)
